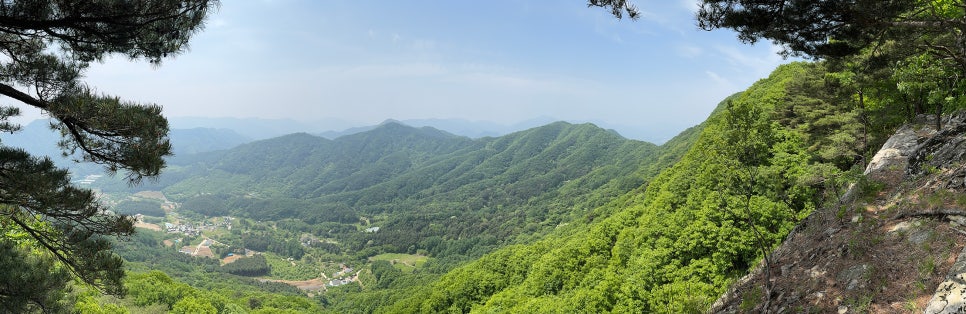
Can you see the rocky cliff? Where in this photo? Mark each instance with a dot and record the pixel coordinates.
(893, 244)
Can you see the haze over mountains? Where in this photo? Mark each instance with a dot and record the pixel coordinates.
(559, 217)
(592, 211)
(198, 135)
(257, 128)
(435, 195)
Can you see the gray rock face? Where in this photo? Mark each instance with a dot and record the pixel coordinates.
(854, 277)
(945, 150)
(950, 296)
(896, 151)
(946, 153)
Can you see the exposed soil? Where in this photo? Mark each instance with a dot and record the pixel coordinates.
(230, 259)
(147, 226)
(885, 251)
(152, 194)
(308, 285)
(204, 251)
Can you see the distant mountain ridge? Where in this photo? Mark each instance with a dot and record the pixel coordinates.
(677, 243)
(259, 128)
(38, 139)
(302, 158)
(488, 192)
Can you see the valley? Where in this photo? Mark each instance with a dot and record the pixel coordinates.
(822, 172)
(563, 216)
(381, 211)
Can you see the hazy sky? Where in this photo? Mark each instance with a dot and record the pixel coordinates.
(495, 60)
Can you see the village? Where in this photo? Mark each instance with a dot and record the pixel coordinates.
(208, 247)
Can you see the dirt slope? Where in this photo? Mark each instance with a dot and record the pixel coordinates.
(885, 248)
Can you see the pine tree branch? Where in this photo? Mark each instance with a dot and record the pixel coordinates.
(14, 93)
(42, 240)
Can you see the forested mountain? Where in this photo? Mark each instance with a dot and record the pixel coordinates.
(199, 140)
(557, 218)
(761, 163)
(560, 218)
(443, 198)
(428, 190)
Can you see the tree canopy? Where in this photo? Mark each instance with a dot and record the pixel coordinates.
(832, 29)
(46, 47)
(917, 44)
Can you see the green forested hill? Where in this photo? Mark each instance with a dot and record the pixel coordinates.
(305, 166)
(563, 217)
(433, 194)
(761, 163)
(428, 191)
(559, 218)
(443, 200)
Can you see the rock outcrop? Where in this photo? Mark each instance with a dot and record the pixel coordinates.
(898, 247)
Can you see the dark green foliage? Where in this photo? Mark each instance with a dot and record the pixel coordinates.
(676, 248)
(132, 137)
(29, 282)
(605, 184)
(267, 241)
(228, 296)
(617, 7)
(207, 205)
(917, 42)
(248, 266)
(426, 190)
(143, 207)
(43, 210)
(46, 46)
(155, 287)
(384, 273)
(430, 193)
(805, 27)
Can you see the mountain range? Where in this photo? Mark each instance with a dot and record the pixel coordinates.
(261, 128)
(499, 190)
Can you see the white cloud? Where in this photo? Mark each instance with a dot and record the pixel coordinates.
(395, 70)
(761, 63)
(718, 79)
(690, 5)
(506, 81)
(217, 22)
(689, 51)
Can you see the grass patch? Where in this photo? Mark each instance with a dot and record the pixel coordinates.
(860, 304)
(869, 189)
(750, 299)
(404, 262)
(961, 200)
(290, 270)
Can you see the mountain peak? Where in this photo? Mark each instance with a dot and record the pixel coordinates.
(392, 121)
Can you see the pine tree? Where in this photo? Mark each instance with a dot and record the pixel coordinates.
(53, 231)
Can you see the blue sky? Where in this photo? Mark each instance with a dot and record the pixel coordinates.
(499, 61)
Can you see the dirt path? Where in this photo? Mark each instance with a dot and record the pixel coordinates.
(311, 284)
(147, 226)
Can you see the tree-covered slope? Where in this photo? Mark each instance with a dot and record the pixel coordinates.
(428, 191)
(303, 166)
(759, 165)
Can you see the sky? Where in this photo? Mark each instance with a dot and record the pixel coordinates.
(500, 61)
